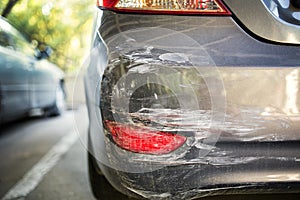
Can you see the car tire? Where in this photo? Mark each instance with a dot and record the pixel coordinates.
(59, 104)
(101, 188)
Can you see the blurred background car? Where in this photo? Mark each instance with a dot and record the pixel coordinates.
(194, 98)
(27, 80)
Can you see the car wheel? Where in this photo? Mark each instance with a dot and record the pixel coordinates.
(59, 104)
(101, 188)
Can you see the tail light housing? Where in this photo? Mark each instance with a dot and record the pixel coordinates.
(143, 140)
(197, 7)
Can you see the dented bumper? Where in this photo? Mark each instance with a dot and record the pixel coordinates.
(234, 98)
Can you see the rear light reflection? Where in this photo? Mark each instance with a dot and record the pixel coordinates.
(144, 140)
(215, 7)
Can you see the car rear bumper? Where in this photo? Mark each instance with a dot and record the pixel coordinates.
(238, 105)
(265, 172)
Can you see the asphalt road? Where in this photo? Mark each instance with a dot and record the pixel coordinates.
(48, 155)
(45, 158)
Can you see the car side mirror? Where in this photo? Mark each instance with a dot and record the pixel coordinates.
(46, 53)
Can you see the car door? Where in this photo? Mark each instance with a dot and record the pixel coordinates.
(43, 84)
(15, 67)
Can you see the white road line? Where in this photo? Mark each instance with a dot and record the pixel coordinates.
(33, 177)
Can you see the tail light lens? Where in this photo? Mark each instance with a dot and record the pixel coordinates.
(144, 140)
(204, 7)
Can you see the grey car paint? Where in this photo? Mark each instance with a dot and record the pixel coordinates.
(14, 82)
(235, 97)
(26, 82)
(259, 17)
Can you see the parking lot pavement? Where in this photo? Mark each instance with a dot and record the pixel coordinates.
(45, 158)
(67, 180)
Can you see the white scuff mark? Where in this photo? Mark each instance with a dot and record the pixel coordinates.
(33, 177)
(151, 195)
(292, 88)
(174, 57)
(289, 176)
(149, 49)
(207, 192)
(198, 121)
(185, 195)
(201, 145)
(142, 69)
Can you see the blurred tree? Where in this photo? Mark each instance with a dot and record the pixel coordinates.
(63, 25)
(8, 7)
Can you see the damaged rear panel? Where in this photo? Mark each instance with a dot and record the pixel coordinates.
(183, 107)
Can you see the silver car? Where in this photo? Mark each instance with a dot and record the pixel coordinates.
(191, 98)
(27, 80)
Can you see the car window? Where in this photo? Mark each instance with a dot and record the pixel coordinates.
(5, 40)
(12, 39)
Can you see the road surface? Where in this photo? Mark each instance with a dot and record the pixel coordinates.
(48, 155)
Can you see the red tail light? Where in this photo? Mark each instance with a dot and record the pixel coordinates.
(202, 7)
(144, 140)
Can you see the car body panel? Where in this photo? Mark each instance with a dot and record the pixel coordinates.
(26, 82)
(45, 77)
(264, 19)
(14, 83)
(234, 97)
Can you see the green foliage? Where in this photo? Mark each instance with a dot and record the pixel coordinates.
(3, 3)
(63, 25)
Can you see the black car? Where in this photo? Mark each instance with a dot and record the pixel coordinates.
(191, 98)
